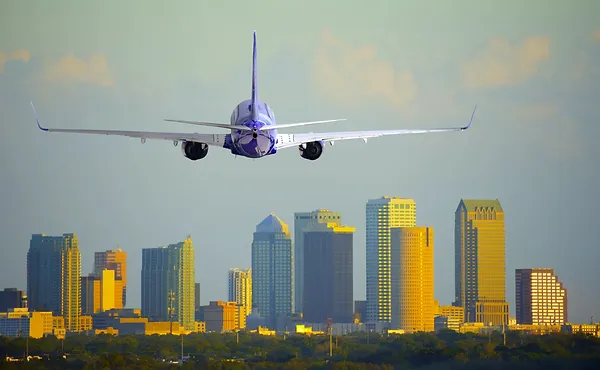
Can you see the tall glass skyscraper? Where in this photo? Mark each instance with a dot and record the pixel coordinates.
(303, 220)
(168, 283)
(328, 272)
(54, 277)
(480, 261)
(272, 269)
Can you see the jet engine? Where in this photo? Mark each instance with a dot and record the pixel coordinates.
(193, 150)
(311, 150)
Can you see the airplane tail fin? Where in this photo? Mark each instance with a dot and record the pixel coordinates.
(254, 106)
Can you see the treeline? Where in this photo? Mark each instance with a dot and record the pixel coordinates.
(427, 351)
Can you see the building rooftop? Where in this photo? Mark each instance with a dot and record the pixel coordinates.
(272, 224)
(390, 199)
(472, 204)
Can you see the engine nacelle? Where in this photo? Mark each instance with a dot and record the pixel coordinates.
(311, 151)
(193, 150)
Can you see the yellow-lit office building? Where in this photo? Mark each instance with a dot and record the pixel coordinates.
(541, 298)
(98, 292)
(454, 315)
(412, 279)
(480, 261)
(220, 316)
(19, 322)
(185, 283)
(115, 260)
(381, 215)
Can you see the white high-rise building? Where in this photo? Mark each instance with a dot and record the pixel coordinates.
(240, 287)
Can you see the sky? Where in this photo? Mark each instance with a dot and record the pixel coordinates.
(532, 67)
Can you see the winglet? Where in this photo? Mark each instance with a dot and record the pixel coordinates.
(36, 118)
(470, 121)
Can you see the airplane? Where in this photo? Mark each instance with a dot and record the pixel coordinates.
(253, 131)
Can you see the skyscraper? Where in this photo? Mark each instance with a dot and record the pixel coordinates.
(168, 283)
(412, 279)
(115, 260)
(541, 298)
(480, 267)
(240, 292)
(240, 287)
(381, 215)
(302, 220)
(54, 277)
(272, 269)
(328, 271)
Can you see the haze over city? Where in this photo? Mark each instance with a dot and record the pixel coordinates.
(533, 69)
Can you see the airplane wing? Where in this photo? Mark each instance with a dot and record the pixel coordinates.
(210, 139)
(290, 140)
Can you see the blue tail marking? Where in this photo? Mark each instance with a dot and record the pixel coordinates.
(254, 105)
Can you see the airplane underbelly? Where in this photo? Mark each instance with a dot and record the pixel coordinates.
(250, 147)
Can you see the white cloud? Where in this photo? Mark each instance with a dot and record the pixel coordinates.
(70, 69)
(20, 54)
(502, 64)
(348, 75)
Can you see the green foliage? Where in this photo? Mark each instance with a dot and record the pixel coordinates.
(444, 350)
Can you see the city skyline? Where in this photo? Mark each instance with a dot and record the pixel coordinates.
(532, 144)
(273, 221)
(478, 222)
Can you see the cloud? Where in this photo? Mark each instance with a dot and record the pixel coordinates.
(503, 65)
(597, 35)
(20, 54)
(72, 69)
(348, 75)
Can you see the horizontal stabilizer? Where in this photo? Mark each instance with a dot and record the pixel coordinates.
(286, 125)
(212, 124)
